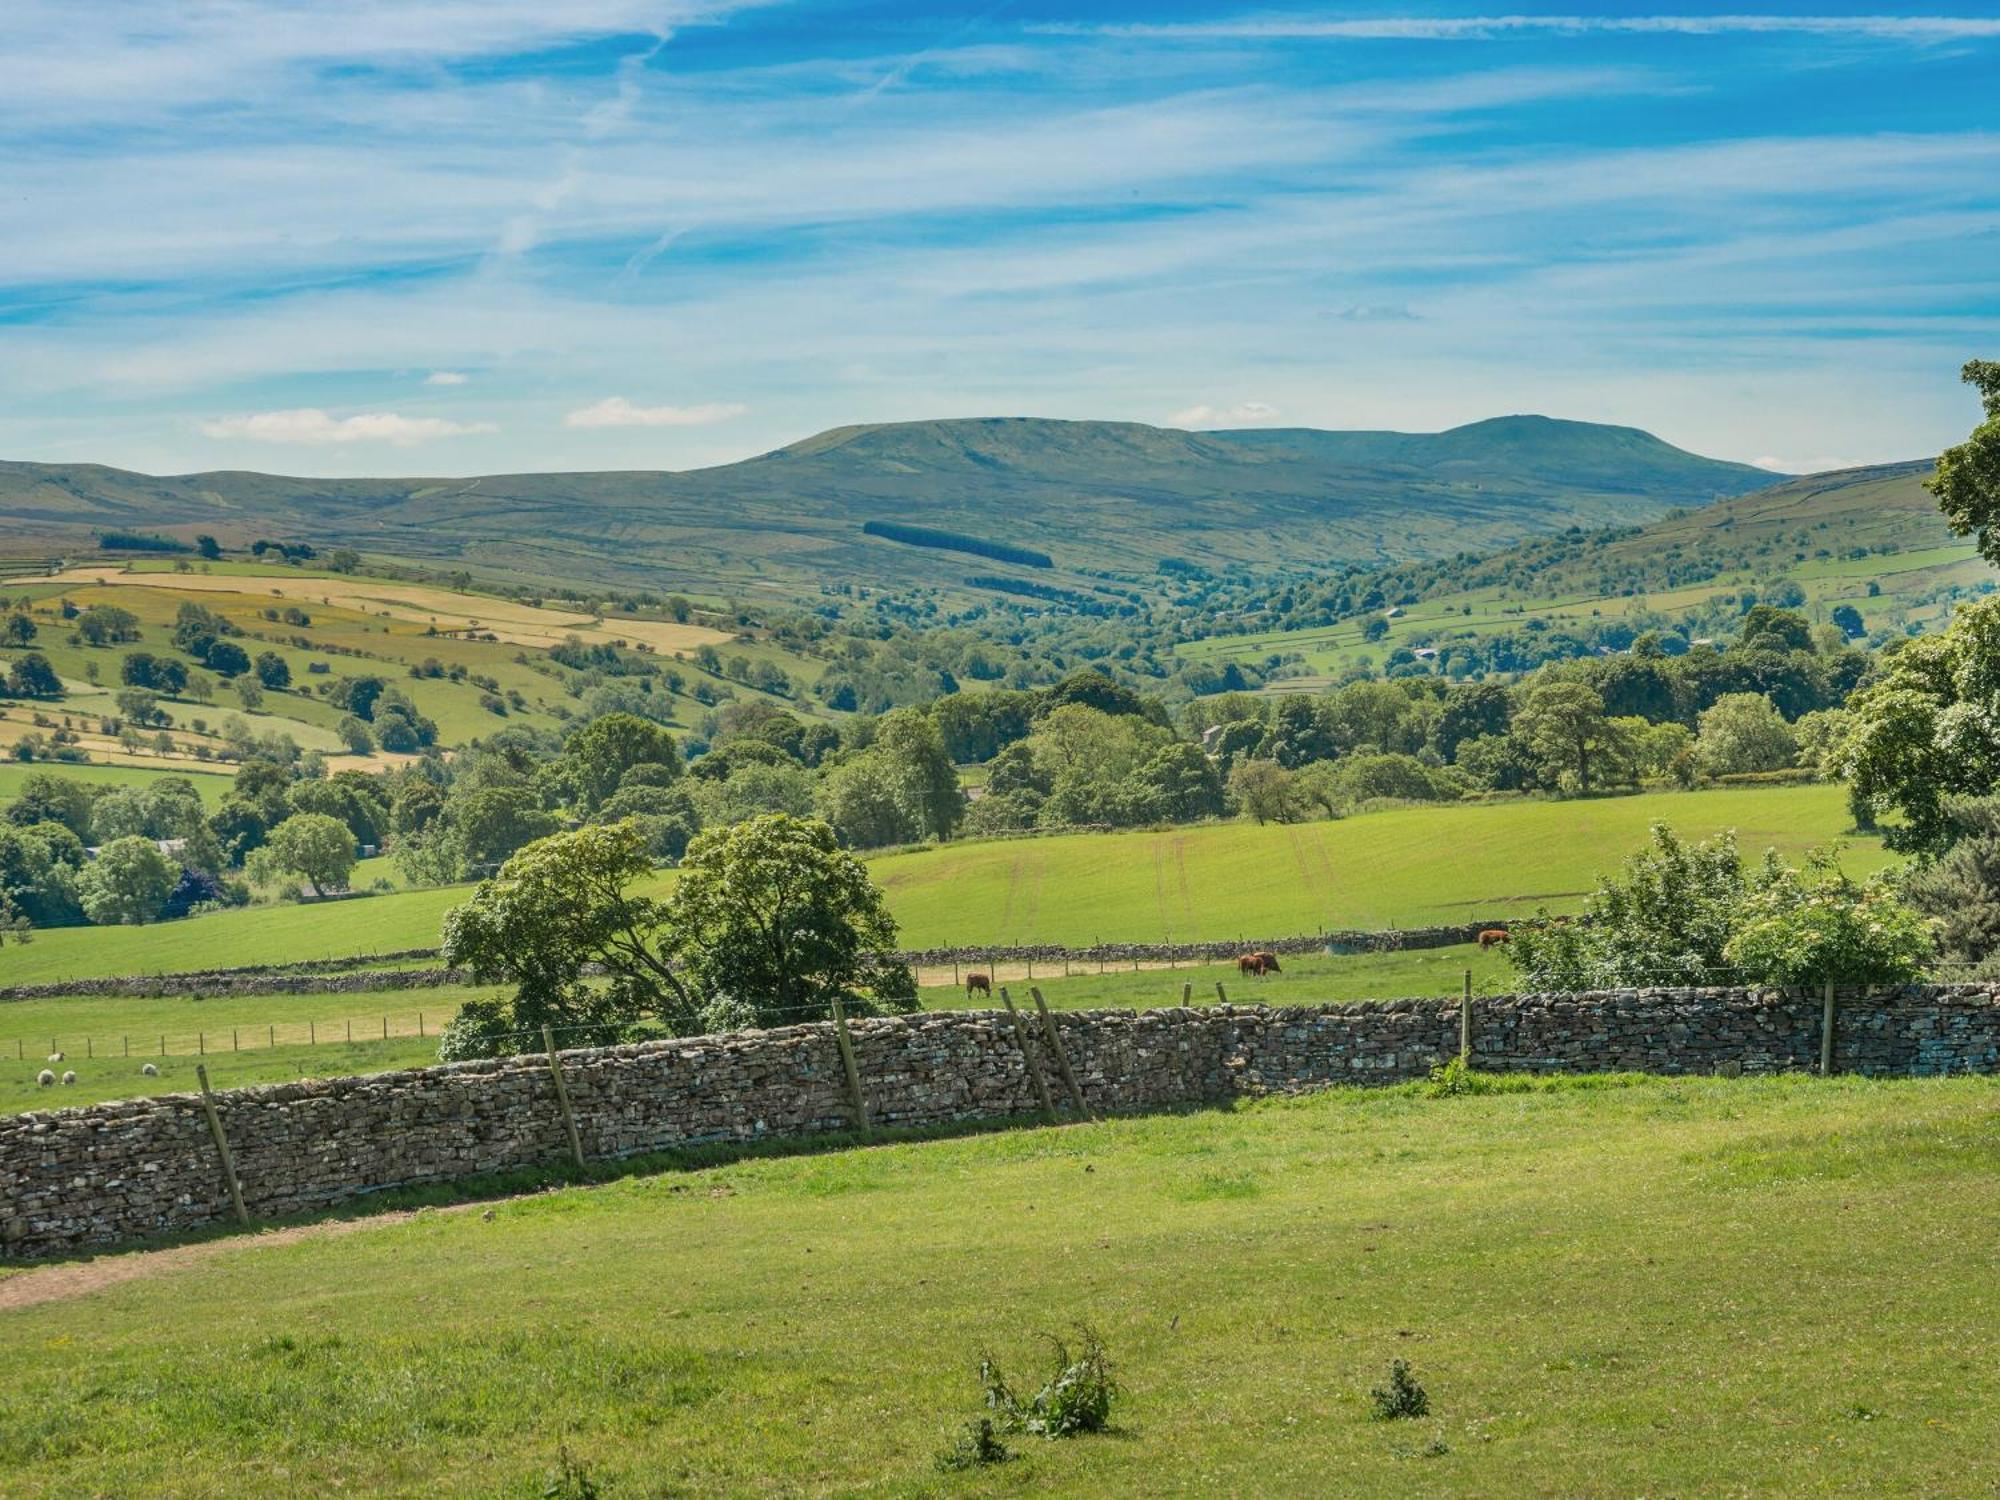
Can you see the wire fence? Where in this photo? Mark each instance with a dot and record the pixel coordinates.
(1220, 984)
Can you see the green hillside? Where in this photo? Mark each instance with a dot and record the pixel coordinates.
(1408, 867)
(1869, 538)
(1095, 495)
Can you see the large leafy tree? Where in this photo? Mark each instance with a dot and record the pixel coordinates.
(1563, 723)
(597, 758)
(128, 882)
(1967, 482)
(315, 845)
(773, 921)
(556, 907)
(1928, 730)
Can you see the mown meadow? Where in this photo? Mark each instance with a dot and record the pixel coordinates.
(1603, 1285)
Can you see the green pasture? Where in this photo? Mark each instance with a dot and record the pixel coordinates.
(1408, 867)
(1606, 1286)
(107, 1039)
(213, 784)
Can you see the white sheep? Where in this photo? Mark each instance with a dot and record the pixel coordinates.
(45, 1078)
(150, 1071)
(55, 1057)
(69, 1077)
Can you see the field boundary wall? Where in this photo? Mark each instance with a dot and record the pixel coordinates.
(112, 1173)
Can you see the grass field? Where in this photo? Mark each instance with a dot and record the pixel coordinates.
(213, 785)
(1607, 1287)
(247, 1039)
(1410, 867)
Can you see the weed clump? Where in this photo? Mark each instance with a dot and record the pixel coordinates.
(978, 1445)
(571, 1480)
(1401, 1397)
(1077, 1396)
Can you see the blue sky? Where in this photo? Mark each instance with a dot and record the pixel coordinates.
(416, 236)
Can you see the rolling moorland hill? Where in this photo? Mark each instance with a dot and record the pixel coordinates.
(1870, 538)
(1097, 495)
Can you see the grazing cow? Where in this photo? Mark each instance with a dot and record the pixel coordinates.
(1258, 964)
(978, 984)
(1493, 936)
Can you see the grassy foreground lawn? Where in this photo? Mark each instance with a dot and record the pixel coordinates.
(1607, 1287)
(277, 1038)
(1405, 868)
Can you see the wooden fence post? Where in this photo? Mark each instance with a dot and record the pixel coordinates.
(1826, 1033)
(562, 1098)
(1465, 1023)
(1221, 994)
(1187, 992)
(847, 1063)
(1028, 1055)
(221, 1144)
(1062, 1055)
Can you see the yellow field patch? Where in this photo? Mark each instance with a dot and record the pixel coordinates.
(419, 604)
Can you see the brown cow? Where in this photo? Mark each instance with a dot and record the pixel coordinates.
(1493, 936)
(1258, 964)
(978, 984)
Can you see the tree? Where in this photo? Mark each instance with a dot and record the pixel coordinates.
(47, 798)
(598, 755)
(1563, 723)
(1666, 920)
(127, 883)
(1806, 926)
(862, 798)
(139, 706)
(107, 624)
(273, 671)
(557, 906)
(1848, 619)
(38, 867)
(1267, 791)
(1741, 733)
(355, 735)
(1925, 732)
(33, 677)
(208, 547)
(1960, 890)
(319, 847)
(227, 659)
(20, 630)
(490, 823)
(914, 750)
(1967, 482)
(1181, 783)
(773, 921)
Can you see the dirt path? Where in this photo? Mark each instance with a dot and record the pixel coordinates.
(72, 1279)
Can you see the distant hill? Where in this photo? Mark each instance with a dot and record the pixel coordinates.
(1870, 538)
(1094, 495)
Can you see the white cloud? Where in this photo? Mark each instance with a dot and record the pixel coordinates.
(1479, 28)
(616, 411)
(1215, 416)
(445, 377)
(311, 426)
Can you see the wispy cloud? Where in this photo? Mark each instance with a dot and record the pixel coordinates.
(1306, 27)
(616, 411)
(446, 377)
(312, 427)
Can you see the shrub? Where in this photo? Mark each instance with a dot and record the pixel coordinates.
(1804, 926)
(1077, 1397)
(480, 1029)
(1402, 1397)
(977, 1446)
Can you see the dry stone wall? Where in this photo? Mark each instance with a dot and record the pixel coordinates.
(77, 1178)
